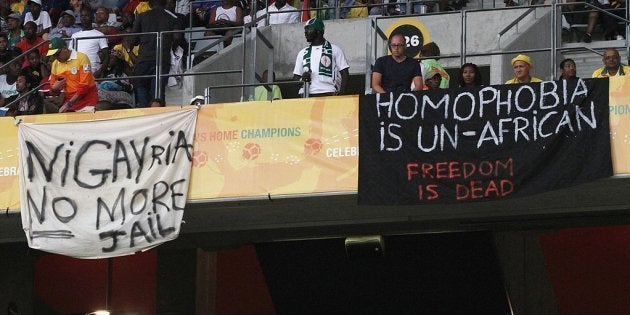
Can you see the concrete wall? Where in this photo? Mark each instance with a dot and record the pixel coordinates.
(353, 37)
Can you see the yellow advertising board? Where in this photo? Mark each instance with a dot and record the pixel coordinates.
(253, 149)
(619, 109)
(287, 147)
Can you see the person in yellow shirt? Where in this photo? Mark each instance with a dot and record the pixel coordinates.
(612, 65)
(522, 65)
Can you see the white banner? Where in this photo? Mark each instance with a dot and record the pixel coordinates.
(107, 188)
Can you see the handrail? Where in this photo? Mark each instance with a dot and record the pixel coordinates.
(516, 21)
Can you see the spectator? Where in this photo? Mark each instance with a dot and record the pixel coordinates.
(7, 81)
(225, 15)
(77, 5)
(396, 72)
(567, 69)
(141, 7)
(156, 20)
(612, 65)
(37, 69)
(522, 65)
(4, 15)
(105, 26)
(31, 40)
(96, 49)
(197, 100)
(277, 15)
(71, 72)
(41, 18)
(433, 80)
(28, 104)
(4, 48)
(101, 19)
(469, 75)
(18, 6)
(431, 49)
(157, 102)
(359, 10)
(321, 63)
(609, 23)
(126, 53)
(67, 27)
(126, 18)
(261, 92)
(14, 25)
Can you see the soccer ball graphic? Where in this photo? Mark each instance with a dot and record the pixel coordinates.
(251, 151)
(312, 146)
(199, 159)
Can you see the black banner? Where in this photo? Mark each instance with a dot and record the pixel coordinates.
(484, 143)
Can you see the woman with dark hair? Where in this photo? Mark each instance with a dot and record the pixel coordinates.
(469, 75)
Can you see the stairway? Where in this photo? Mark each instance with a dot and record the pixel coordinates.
(587, 61)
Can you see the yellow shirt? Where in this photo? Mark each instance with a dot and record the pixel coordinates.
(125, 54)
(357, 12)
(515, 81)
(142, 7)
(19, 6)
(603, 72)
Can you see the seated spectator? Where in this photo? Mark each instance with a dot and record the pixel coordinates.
(612, 31)
(469, 75)
(567, 69)
(7, 81)
(157, 102)
(141, 7)
(359, 10)
(30, 104)
(261, 92)
(96, 49)
(103, 25)
(278, 18)
(77, 5)
(37, 69)
(4, 48)
(72, 76)
(66, 28)
(14, 26)
(612, 65)
(4, 15)
(431, 49)
(197, 100)
(522, 65)
(396, 72)
(126, 18)
(41, 18)
(225, 15)
(18, 6)
(433, 80)
(31, 40)
(126, 53)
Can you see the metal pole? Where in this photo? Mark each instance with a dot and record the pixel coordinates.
(306, 89)
(462, 54)
(554, 37)
(158, 65)
(206, 95)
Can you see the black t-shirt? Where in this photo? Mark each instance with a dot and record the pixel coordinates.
(397, 77)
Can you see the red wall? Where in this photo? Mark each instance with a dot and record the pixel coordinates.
(69, 285)
(589, 269)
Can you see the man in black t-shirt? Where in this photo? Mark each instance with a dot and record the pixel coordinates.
(396, 72)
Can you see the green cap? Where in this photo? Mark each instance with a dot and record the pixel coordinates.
(316, 23)
(56, 44)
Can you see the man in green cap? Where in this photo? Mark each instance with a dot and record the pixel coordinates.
(71, 74)
(321, 63)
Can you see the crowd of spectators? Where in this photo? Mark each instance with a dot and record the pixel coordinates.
(97, 30)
